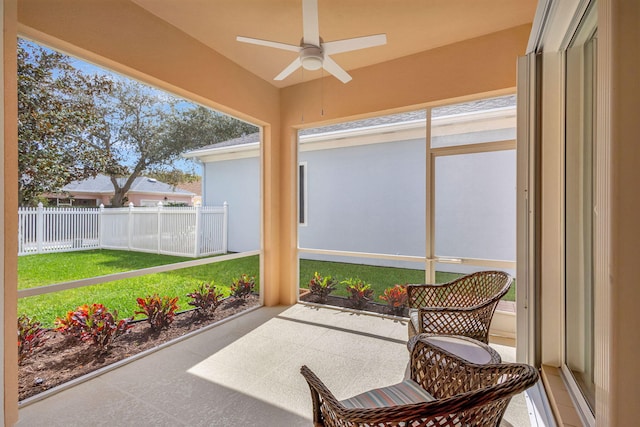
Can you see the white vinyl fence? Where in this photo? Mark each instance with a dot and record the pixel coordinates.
(182, 231)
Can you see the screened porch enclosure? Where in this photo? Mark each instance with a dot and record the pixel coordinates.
(431, 190)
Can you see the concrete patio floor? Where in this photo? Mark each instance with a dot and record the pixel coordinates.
(246, 373)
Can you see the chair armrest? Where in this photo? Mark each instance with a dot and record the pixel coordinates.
(501, 382)
(319, 394)
(328, 405)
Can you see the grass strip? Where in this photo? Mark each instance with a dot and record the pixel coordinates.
(121, 295)
(46, 269)
(380, 278)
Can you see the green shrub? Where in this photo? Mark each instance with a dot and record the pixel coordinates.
(396, 298)
(360, 293)
(30, 336)
(205, 298)
(70, 325)
(93, 323)
(321, 287)
(243, 287)
(160, 311)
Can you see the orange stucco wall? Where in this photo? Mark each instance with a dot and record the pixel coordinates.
(469, 68)
(9, 193)
(159, 54)
(625, 233)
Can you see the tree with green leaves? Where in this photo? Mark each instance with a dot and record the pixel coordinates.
(173, 177)
(199, 126)
(149, 129)
(135, 118)
(57, 121)
(73, 126)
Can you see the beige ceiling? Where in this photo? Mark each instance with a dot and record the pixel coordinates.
(411, 26)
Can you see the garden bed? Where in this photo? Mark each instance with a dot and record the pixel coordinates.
(61, 360)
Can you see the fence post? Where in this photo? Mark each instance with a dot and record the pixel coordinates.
(159, 225)
(198, 231)
(225, 227)
(39, 227)
(130, 226)
(100, 224)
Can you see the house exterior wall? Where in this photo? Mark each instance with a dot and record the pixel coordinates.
(143, 199)
(377, 197)
(236, 182)
(344, 214)
(372, 198)
(138, 199)
(475, 208)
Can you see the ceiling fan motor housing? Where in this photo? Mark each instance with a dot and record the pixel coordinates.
(311, 57)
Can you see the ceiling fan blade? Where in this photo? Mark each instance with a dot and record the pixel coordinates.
(276, 45)
(290, 69)
(356, 43)
(332, 67)
(310, 22)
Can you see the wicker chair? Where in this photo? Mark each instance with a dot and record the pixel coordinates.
(443, 390)
(464, 306)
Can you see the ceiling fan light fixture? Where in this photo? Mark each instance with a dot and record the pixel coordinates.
(311, 58)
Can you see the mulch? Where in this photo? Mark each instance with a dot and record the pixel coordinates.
(61, 359)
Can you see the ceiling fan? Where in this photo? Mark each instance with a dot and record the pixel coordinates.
(313, 53)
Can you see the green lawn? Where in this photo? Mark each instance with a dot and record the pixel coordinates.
(40, 270)
(47, 269)
(380, 278)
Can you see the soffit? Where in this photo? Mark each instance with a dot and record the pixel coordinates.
(411, 26)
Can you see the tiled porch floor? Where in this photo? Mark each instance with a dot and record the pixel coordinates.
(245, 373)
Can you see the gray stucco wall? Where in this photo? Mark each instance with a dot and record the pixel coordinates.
(475, 207)
(368, 198)
(238, 183)
(475, 203)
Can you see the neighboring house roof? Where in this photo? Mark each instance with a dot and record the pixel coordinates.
(101, 184)
(194, 187)
(371, 123)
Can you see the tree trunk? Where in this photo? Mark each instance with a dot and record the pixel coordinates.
(119, 193)
(119, 199)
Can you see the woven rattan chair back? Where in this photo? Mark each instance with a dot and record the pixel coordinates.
(464, 306)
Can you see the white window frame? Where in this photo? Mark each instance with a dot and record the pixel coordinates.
(303, 217)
